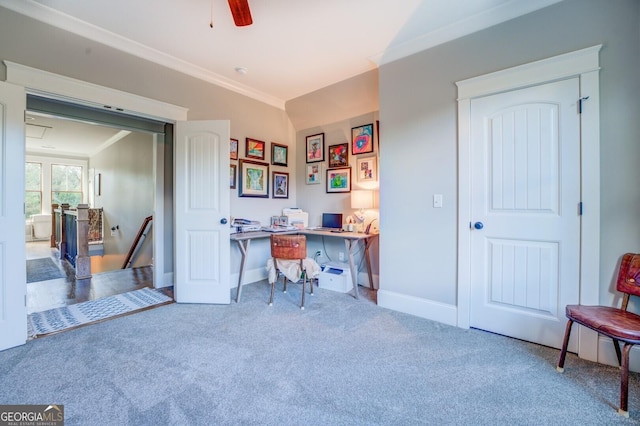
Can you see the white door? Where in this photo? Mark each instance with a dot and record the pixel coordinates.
(13, 277)
(525, 195)
(202, 210)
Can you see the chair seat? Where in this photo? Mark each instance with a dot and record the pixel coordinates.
(613, 322)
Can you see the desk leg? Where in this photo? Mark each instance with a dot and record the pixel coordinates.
(367, 258)
(243, 245)
(352, 265)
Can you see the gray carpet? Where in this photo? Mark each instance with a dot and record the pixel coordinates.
(42, 270)
(339, 362)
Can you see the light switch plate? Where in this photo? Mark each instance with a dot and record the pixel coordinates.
(437, 201)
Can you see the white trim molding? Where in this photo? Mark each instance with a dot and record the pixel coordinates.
(55, 86)
(583, 64)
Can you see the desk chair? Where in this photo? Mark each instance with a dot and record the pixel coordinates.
(618, 324)
(284, 250)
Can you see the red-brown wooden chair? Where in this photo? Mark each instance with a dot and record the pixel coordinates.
(618, 324)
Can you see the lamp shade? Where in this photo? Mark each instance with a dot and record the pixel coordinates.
(361, 199)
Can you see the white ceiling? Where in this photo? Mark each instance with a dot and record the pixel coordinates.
(294, 47)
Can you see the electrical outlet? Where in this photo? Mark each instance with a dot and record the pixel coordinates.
(341, 256)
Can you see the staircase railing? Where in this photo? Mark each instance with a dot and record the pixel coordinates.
(142, 235)
(71, 229)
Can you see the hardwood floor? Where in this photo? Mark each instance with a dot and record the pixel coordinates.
(59, 292)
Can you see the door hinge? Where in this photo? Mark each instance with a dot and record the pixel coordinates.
(580, 208)
(580, 103)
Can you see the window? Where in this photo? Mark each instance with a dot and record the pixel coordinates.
(33, 186)
(66, 184)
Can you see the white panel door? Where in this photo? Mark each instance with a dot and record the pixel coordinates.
(525, 230)
(13, 277)
(202, 212)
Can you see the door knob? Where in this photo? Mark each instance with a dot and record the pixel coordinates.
(478, 225)
(223, 221)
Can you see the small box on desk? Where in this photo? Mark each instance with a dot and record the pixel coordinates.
(336, 277)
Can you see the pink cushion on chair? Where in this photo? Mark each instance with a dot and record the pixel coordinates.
(613, 322)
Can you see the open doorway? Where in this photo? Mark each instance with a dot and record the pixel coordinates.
(113, 171)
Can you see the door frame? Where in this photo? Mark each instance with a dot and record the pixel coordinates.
(583, 64)
(59, 87)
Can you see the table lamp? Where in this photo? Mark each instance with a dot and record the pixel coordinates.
(361, 199)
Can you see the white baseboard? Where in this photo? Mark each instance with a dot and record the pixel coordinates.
(166, 281)
(250, 276)
(428, 309)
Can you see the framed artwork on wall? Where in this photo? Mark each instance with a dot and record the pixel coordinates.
(315, 148)
(314, 174)
(339, 155)
(233, 149)
(362, 139)
(339, 180)
(253, 179)
(255, 149)
(367, 169)
(232, 176)
(280, 185)
(279, 154)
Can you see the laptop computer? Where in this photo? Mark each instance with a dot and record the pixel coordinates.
(331, 222)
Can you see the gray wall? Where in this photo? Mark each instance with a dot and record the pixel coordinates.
(419, 137)
(127, 196)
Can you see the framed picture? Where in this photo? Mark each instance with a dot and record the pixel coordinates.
(362, 139)
(314, 173)
(339, 180)
(367, 169)
(339, 155)
(279, 154)
(232, 176)
(315, 148)
(233, 149)
(255, 149)
(280, 185)
(253, 178)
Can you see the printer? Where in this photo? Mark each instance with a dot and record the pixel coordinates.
(296, 217)
(336, 276)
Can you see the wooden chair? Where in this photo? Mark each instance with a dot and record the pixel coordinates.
(618, 324)
(287, 248)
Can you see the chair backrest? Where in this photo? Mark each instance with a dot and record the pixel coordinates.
(288, 246)
(629, 276)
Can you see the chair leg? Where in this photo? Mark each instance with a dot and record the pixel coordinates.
(273, 287)
(616, 345)
(565, 344)
(624, 381)
(304, 284)
(284, 280)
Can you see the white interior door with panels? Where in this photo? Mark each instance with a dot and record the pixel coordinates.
(529, 198)
(525, 196)
(202, 211)
(13, 290)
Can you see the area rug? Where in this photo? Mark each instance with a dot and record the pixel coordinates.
(59, 319)
(42, 270)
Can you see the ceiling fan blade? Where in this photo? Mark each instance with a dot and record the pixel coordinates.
(241, 13)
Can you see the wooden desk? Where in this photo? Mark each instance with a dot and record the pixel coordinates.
(351, 239)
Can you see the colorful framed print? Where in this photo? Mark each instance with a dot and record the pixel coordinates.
(362, 139)
(255, 149)
(367, 169)
(253, 179)
(314, 174)
(315, 148)
(232, 176)
(339, 155)
(280, 185)
(233, 149)
(339, 180)
(279, 154)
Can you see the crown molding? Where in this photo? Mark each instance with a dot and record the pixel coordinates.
(65, 22)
